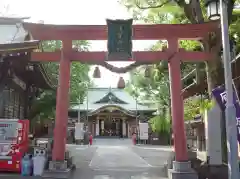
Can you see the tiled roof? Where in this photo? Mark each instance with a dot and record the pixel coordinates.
(96, 94)
(14, 39)
(12, 30)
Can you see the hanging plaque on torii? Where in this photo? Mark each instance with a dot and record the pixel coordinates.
(119, 40)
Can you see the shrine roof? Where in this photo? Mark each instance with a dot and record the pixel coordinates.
(96, 97)
(16, 41)
(12, 31)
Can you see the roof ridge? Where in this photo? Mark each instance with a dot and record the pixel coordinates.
(106, 89)
(111, 93)
(11, 20)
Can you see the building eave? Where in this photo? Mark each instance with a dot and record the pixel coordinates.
(15, 47)
(115, 107)
(47, 77)
(85, 108)
(15, 40)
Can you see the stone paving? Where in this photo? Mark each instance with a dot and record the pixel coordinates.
(115, 159)
(118, 159)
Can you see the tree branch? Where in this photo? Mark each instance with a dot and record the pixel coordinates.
(230, 10)
(196, 11)
(152, 7)
(192, 11)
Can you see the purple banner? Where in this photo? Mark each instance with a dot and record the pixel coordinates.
(220, 95)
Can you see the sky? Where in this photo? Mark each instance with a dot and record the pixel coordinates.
(82, 12)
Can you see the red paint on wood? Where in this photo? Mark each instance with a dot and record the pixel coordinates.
(180, 143)
(140, 56)
(61, 121)
(140, 32)
(187, 56)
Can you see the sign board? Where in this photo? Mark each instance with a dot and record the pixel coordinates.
(221, 97)
(143, 130)
(119, 40)
(8, 130)
(79, 131)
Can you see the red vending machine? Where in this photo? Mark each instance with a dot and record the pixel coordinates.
(13, 143)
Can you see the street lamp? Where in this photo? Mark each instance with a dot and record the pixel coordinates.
(213, 9)
(137, 124)
(230, 111)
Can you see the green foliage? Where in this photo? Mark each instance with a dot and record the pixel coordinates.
(44, 105)
(156, 86)
(160, 124)
(180, 12)
(196, 105)
(190, 45)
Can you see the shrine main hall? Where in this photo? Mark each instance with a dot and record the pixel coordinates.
(110, 112)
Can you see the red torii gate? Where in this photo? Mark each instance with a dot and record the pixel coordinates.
(174, 56)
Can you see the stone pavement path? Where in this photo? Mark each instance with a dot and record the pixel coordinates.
(118, 159)
(115, 159)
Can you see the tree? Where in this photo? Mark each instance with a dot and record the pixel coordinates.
(181, 11)
(155, 87)
(44, 105)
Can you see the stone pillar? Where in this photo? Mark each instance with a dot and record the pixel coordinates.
(200, 137)
(212, 123)
(97, 127)
(124, 128)
(93, 129)
(102, 125)
(60, 130)
(127, 129)
(117, 124)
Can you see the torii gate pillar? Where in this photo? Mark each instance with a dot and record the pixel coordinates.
(60, 130)
(181, 165)
(177, 104)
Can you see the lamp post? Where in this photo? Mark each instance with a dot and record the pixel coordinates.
(86, 120)
(79, 109)
(87, 107)
(218, 9)
(137, 125)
